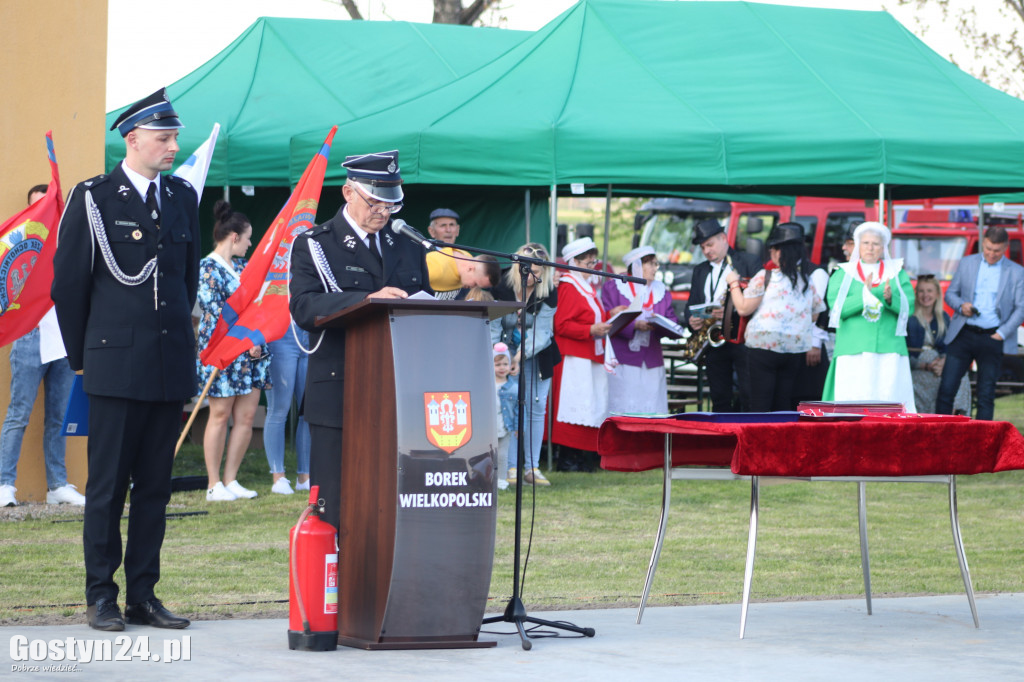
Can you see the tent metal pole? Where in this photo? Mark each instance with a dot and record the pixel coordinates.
(553, 243)
(227, 193)
(554, 222)
(881, 203)
(981, 219)
(607, 222)
(527, 222)
(890, 212)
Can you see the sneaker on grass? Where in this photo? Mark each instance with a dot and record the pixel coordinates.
(219, 493)
(238, 491)
(282, 487)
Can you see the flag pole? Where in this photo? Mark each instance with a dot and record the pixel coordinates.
(192, 416)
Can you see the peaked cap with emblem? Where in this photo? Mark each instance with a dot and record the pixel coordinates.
(152, 113)
(377, 174)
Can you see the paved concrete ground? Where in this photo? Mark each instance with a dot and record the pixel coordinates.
(914, 638)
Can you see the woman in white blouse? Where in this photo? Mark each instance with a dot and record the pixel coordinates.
(782, 304)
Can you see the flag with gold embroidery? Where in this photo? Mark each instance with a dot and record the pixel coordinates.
(28, 240)
(257, 312)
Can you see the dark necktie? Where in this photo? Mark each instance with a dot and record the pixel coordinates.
(372, 239)
(154, 209)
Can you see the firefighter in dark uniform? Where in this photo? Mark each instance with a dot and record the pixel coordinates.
(126, 273)
(353, 256)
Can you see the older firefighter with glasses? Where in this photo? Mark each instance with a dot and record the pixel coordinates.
(351, 257)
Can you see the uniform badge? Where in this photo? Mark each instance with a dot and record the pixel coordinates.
(350, 242)
(137, 235)
(123, 191)
(154, 215)
(168, 190)
(387, 238)
(448, 417)
(392, 167)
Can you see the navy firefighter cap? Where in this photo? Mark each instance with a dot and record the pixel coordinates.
(152, 113)
(376, 174)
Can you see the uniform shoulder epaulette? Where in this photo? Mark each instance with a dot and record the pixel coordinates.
(179, 180)
(94, 181)
(317, 230)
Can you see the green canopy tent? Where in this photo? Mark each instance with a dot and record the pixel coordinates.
(710, 97)
(286, 75)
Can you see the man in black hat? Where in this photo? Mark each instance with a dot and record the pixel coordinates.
(353, 256)
(126, 273)
(708, 285)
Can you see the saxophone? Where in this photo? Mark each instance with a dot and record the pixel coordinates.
(697, 343)
(710, 335)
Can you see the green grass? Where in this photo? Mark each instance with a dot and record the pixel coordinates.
(592, 539)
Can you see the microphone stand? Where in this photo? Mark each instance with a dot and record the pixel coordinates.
(515, 611)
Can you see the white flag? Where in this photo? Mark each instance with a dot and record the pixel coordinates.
(197, 166)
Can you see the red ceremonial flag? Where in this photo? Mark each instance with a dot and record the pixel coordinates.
(257, 312)
(28, 241)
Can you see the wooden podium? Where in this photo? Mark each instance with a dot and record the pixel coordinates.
(418, 507)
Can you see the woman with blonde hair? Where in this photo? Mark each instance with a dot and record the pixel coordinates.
(533, 357)
(925, 333)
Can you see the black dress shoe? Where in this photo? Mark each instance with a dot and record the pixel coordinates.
(153, 613)
(104, 615)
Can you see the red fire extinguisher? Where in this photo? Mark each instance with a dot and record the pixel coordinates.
(313, 583)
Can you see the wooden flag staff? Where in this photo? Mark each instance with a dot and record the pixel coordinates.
(192, 417)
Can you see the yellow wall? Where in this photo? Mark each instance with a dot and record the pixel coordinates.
(53, 77)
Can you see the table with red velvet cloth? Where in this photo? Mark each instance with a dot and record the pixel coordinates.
(913, 448)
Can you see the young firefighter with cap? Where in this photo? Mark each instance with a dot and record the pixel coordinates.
(351, 257)
(126, 273)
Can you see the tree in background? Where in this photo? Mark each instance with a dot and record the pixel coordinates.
(445, 11)
(996, 44)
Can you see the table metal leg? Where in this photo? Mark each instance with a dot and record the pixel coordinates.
(666, 497)
(748, 570)
(965, 572)
(865, 558)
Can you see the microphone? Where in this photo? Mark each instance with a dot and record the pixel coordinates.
(401, 227)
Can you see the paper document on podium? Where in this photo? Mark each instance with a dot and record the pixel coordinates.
(422, 296)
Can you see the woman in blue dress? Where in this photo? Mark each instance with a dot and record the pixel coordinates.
(235, 392)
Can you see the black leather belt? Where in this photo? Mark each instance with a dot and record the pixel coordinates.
(979, 330)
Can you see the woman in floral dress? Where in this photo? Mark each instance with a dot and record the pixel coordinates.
(235, 392)
(782, 304)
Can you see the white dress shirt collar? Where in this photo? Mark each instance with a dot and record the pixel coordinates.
(141, 183)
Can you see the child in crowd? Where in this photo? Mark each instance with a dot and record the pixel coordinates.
(507, 388)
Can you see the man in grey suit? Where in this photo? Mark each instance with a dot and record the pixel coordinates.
(987, 295)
